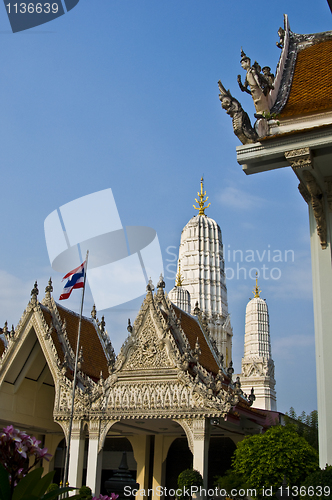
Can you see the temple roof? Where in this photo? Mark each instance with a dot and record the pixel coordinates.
(311, 90)
(194, 332)
(95, 360)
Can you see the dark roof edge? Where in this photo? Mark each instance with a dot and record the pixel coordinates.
(296, 44)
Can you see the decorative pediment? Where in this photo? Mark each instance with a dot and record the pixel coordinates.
(149, 350)
(258, 367)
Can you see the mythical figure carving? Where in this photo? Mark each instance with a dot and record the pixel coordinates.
(281, 33)
(259, 85)
(241, 121)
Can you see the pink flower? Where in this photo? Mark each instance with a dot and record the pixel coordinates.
(105, 497)
(21, 449)
(15, 448)
(43, 454)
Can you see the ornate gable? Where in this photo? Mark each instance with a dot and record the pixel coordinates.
(160, 372)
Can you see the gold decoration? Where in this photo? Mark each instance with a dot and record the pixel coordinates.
(201, 201)
(179, 278)
(256, 291)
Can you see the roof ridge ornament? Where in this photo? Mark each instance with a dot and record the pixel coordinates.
(94, 312)
(34, 293)
(48, 291)
(201, 201)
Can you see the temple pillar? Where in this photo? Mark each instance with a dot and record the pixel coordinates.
(322, 292)
(161, 447)
(76, 455)
(141, 448)
(94, 466)
(201, 440)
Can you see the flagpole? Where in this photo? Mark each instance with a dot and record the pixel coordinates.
(65, 474)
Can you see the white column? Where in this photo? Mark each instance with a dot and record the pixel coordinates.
(93, 476)
(322, 293)
(161, 447)
(141, 448)
(76, 456)
(201, 440)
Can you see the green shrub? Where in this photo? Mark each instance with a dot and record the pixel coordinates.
(262, 461)
(85, 493)
(186, 479)
(231, 481)
(317, 480)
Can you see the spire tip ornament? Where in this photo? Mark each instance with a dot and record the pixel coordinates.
(201, 201)
(179, 278)
(256, 291)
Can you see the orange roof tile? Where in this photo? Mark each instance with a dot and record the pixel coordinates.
(311, 89)
(193, 331)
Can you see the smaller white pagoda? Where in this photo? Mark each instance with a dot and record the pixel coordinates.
(257, 362)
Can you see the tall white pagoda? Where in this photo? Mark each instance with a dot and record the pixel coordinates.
(201, 269)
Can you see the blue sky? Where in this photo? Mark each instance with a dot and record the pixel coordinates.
(124, 95)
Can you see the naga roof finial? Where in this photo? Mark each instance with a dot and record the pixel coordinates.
(201, 201)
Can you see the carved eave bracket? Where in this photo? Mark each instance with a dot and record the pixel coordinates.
(300, 158)
(301, 161)
(328, 188)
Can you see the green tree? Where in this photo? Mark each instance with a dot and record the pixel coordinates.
(305, 425)
(262, 460)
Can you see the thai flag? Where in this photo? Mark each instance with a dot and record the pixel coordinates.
(75, 280)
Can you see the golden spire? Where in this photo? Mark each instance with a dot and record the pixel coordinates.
(256, 291)
(178, 276)
(201, 200)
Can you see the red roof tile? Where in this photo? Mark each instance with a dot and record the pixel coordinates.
(95, 360)
(193, 331)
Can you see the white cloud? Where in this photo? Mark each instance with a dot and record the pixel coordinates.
(234, 197)
(14, 296)
(288, 347)
(295, 281)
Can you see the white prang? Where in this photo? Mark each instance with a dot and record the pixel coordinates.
(257, 363)
(203, 271)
